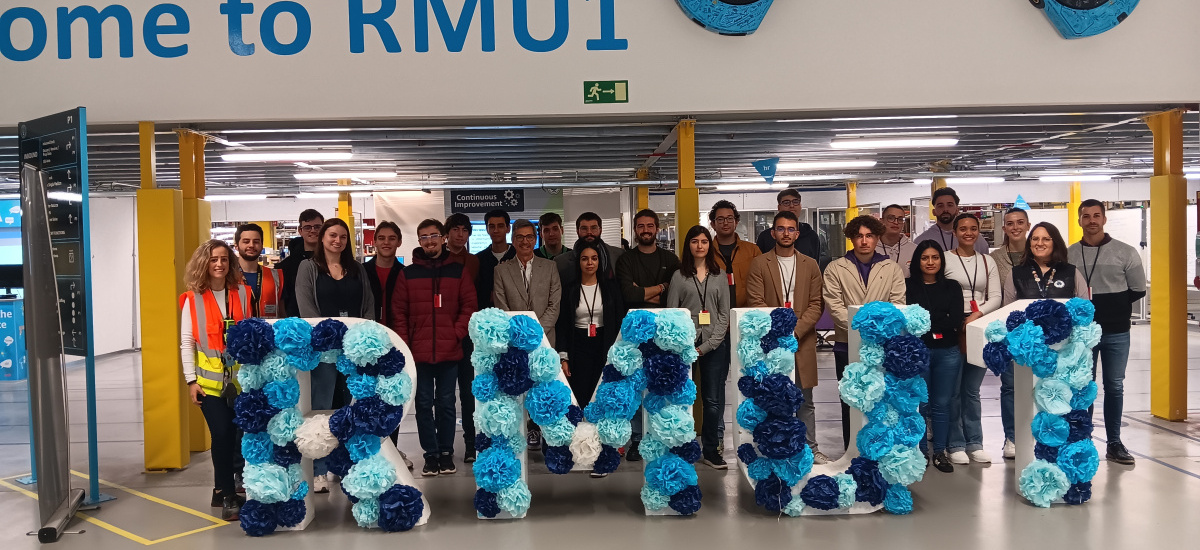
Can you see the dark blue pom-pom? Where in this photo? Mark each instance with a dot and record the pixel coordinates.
(689, 451)
(872, 488)
(608, 460)
(482, 442)
(1081, 425)
(1053, 317)
(574, 414)
(772, 493)
(341, 424)
(400, 508)
(252, 411)
(485, 504)
(821, 493)
(257, 518)
(1079, 493)
(748, 386)
(905, 357)
(1015, 319)
(780, 437)
(375, 416)
(327, 335)
(1045, 452)
(512, 372)
(687, 501)
(339, 461)
(747, 454)
(997, 357)
(665, 373)
(290, 513)
(391, 364)
(778, 395)
(287, 455)
(610, 374)
(559, 459)
(249, 341)
(783, 323)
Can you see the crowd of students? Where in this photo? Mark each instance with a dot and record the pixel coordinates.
(581, 293)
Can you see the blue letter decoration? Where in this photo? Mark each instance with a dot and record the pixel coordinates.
(727, 17)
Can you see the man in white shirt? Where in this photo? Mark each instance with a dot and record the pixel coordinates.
(894, 243)
(945, 209)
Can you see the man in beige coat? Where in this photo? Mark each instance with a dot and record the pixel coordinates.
(783, 278)
(860, 277)
(527, 282)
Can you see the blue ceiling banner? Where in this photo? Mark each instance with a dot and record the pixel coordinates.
(1022, 204)
(767, 167)
(1084, 18)
(727, 17)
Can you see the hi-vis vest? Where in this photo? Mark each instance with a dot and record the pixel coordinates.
(270, 300)
(208, 330)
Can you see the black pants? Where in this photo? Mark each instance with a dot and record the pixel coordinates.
(226, 451)
(466, 375)
(840, 360)
(587, 358)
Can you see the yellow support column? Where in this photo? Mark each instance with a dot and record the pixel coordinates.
(197, 228)
(345, 211)
(1074, 231)
(852, 210)
(1168, 290)
(643, 191)
(149, 158)
(268, 233)
(687, 197)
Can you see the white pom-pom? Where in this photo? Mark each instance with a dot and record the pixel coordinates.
(313, 438)
(585, 445)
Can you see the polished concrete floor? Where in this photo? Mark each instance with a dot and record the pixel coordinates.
(1150, 505)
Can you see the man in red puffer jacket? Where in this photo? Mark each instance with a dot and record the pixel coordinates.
(431, 305)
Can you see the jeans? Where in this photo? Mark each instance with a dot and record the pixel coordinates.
(1113, 353)
(808, 415)
(966, 414)
(1007, 404)
(226, 452)
(840, 360)
(466, 399)
(435, 390)
(324, 386)
(945, 372)
(714, 372)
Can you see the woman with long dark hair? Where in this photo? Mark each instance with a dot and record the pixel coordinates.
(332, 284)
(589, 322)
(928, 287)
(699, 287)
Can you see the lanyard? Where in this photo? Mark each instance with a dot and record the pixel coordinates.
(888, 251)
(1037, 278)
(789, 284)
(942, 237)
(703, 293)
(591, 306)
(729, 259)
(1088, 274)
(973, 277)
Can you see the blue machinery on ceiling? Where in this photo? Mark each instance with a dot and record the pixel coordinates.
(727, 17)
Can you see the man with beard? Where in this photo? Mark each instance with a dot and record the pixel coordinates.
(807, 242)
(588, 227)
(644, 274)
(266, 283)
(299, 249)
(550, 225)
(945, 209)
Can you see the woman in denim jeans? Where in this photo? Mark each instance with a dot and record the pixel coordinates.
(928, 287)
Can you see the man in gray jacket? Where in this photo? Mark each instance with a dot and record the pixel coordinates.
(527, 282)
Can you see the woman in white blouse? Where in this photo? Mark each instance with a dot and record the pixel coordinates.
(980, 281)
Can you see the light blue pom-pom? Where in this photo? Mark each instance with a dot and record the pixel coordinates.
(625, 357)
(846, 490)
(559, 432)
(253, 377)
(489, 331)
(749, 415)
(754, 324)
(750, 351)
(898, 500)
(370, 478)
(903, 465)
(862, 387)
(500, 416)
(365, 512)
(916, 320)
(266, 483)
(996, 331)
(654, 500)
(292, 335)
(651, 449)
(544, 364)
(1043, 483)
(366, 342)
(514, 499)
(395, 390)
(614, 431)
(483, 361)
(781, 361)
(282, 427)
(676, 333)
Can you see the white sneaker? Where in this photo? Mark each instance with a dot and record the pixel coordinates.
(820, 458)
(1010, 450)
(320, 484)
(959, 457)
(981, 456)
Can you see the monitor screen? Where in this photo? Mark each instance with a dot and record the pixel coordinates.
(480, 240)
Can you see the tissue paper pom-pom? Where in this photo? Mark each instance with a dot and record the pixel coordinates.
(625, 357)
(341, 424)
(283, 394)
(548, 402)
(885, 414)
(821, 493)
(370, 478)
(327, 335)
(654, 403)
(651, 449)
(673, 425)
(871, 354)
(875, 440)
(524, 332)
(778, 395)
(1014, 320)
(750, 352)
(665, 373)
(1079, 493)
(496, 469)
(1081, 425)
(585, 444)
(907, 394)
(1081, 311)
(995, 331)
(654, 500)
(544, 365)
(366, 342)
(500, 416)
(772, 493)
(1043, 483)
(375, 417)
(313, 438)
(871, 485)
(903, 465)
(275, 367)
(512, 372)
(917, 321)
(675, 331)
(1079, 461)
(789, 343)
(329, 356)
(361, 386)
(249, 341)
(514, 499)
(252, 377)
(614, 431)
(670, 474)
(287, 455)
(749, 415)
(558, 459)
(252, 411)
(282, 427)
(257, 448)
(346, 366)
(780, 437)
(616, 399)
(638, 326)
(485, 387)
(574, 414)
(293, 335)
(363, 446)
(761, 469)
(1042, 362)
(689, 452)
(483, 361)
(879, 322)
(607, 461)
(290, 513)
(395, 390)
(390, 364)
(754, 324)
(365, 512)
(898, 500)
(266, 483)
(1052, 396)
(997, 358)
(593, 412)
(257, 518)
(783, 322)
(861, 387)
(1088, 335)
(1045, 452)
(1074, 365)
(1053, 317)
(910, 430)
(1082, 399)
(304, 360)
(905, 356)
(781, 361)
(400, 508)
(338, 461)
(846, 490)
(793, 469)
(794, 508)
(1050, 430)
(559, 432)
(485, 504)
(482, 442)
(686, 394)
(489, 330)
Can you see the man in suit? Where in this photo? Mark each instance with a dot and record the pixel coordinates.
(785, 278)
(527, 282)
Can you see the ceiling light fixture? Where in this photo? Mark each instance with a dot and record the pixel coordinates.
(317, 196)
(893, 143)
(827, 165)
(962, 181)
(923, 181)
(215, 198)
(309, 156)
(1075, 178)
(327, 176)
(750, 186)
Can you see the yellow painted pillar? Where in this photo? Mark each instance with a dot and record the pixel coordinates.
(268, 233)
(643, 191)
(345, 211)
(197, 228)
(852, 210)
(1168, 290)
(687, 197)
(148, 156)
(1074, 231)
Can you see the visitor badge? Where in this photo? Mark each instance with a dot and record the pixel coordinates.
(269, 310)
(1089, 293)
(229, 324)
(343, 314)
(787, 305)
(937, 336)
(974, 306)
(730, 277)
(591, 330)
(705, 318)
(437, 300)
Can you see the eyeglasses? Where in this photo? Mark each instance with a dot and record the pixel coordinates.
(789, 202)
(893, 219)
(524, 238)
(787, 230)
(725, 219)
(310, 227)
(427, 238)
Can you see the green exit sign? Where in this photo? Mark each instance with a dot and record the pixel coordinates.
(605, 91)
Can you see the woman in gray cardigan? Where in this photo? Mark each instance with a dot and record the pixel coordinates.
(700, 287)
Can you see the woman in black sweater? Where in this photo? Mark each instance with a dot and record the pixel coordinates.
(928, 287)
(588, 323)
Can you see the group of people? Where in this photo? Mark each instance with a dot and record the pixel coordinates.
(581, 293)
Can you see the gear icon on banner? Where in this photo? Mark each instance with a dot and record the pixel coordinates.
(510, 196)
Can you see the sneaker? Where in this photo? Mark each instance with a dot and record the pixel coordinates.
(431, 468)
(941, 461)
(981, 456)
(237, 484)
(959, 457)
(446, 464)
(1119, 454)
(407, 462)
(218, 500)
(469, 455)
(1010, 450)
(632, 455)
(597, 475)
(716, 461)
(320, 484)
(534, 440)
(231, 507)
(820, 458)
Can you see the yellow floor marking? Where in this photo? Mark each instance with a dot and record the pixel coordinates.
(153, 498)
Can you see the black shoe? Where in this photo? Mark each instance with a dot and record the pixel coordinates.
(534, 440)
(716, 461)
(431, 468)
(218, 500)
(469, 455)
(446, 464)
(941, 461)
(632, 455)
(231, 507)
(1119, 454)
(237, 484)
